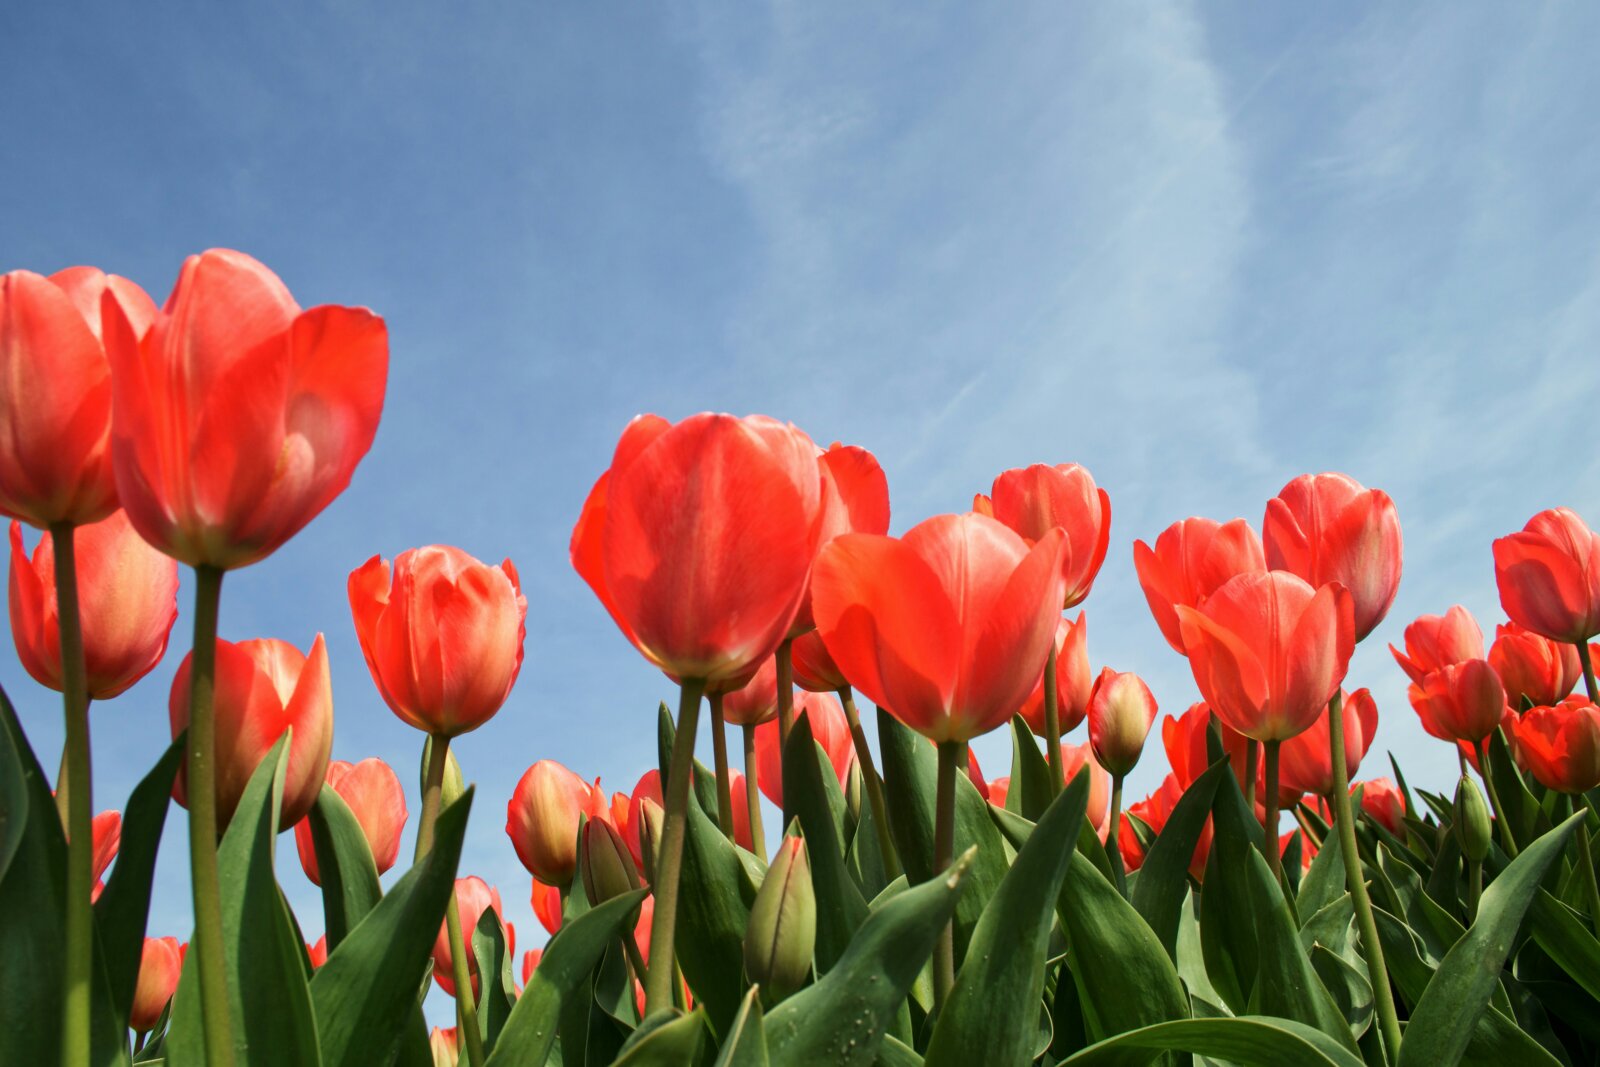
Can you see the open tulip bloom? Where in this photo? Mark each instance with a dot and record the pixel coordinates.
(753, 571)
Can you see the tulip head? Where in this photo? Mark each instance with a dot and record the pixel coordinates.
(1154, 811)
(372, 792)
(1329, 528)
(1473, 829)
(1532, 666)
(1121, 712)
(1191, 559)
(1560, 745)
(1076, 758)
(652, 826)
(630, 823)
(160, 963)
(442, 1042)
(829, 728)
(542, 819)
(1074, 680)
(1549, 576)
(608, 869)
(757, 700)
(855, 499)
(473, 897)
(814, 670)
(318, 953)
(781, 934)
(1305, 761)
(263, 687)
(546, 901)
(1461, 702)
(1436, 641)
(442, 637)
(1383, 802)
(1188, 752)
(1033, 500)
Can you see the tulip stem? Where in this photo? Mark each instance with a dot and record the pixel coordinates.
(1344, 825)
(1052, 725)
(432, 791)
(1586, 862)
(669, 863)
(630, 945)
(1487, 774)
(752, 793)
(1588, 671)
(719, 748)
(79, 804)
(784, 662)
(466, 1006)
(201, 790)
(1269, 827)
(873, 784)
(944, 827)
(1252, 764)
(1113, 842)
(1474, 889)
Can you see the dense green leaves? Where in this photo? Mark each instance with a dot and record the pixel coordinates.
(1252, 1041)
(1163, 883)
(840, 907)
(712, 914)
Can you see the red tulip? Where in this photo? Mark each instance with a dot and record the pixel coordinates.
(975, 774)
(814, 669)
(855, 499)
(542, 819)
(127, 603)
(530, 963)
(443, 640)
(318, 953)
(1184, 740)
(1098, 812)
(106, 830)
(1533, 666)
(473, 898)
(940, 626)
(998, 789)
(1121, 712)
(828, 728)
(1436, 641)
(375, 797)
(1549, 576)
(699, 538)
(1382, 800)
(1074, 680)
(1327, 528)
(445, 1046)
(160, 963)
(1461, 702)
(238, 417)
(1560, 744)
(632, 827)
(55, 456)
(757, 700)
(1305, 764)
(1191, 559)
(1154, 811)
(546, 906)
(1034, 500)
(738, 791)
(263, 687)
(1268, 651)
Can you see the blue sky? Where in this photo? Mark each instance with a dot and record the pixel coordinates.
(1200, 249)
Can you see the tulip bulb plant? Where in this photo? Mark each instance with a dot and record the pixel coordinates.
(1272, 900)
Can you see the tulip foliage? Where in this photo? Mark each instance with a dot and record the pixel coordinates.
(1263, 905)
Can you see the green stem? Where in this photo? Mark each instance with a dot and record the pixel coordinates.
(1252, 762)
(1113, 838)
(1586, 862)
(1344, 824)
(466, 1005)
(1474, 889)
(873, 784)
(1269, 828)
(719, 748)
(1486, 772)
(951, 755)
(752, 793)
(1052, 725)
(432, 791)
(1588, 671)
(630, 946)
(785, 670)
(201, 790)
(79, 802)
(669, 864)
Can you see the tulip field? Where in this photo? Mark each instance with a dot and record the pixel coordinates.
(1280, 898)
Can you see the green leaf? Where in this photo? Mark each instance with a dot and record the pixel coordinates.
(994, 1004)
(896, 1053)
(746, 1044)
(569, 960)
(1253, 1041)
(841, 1019)
(1030, 773)
(1521, 808)
(344, 864)
(703, 781)
(713, 910)
(13, 801)
(1567, 941)
(1324, 882)
(497, 992)
(1440, 1028)
(1351, 990)
(665, 1040)
(840, 907)
(1163, 883)
(273, 1022)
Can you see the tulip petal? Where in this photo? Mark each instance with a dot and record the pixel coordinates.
(1017, 637)
(1317, 657)
(1226, 670)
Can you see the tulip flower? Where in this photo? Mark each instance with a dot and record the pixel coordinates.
(1074, 680)
(542, 819)
(1034, 500)
(975, 774)
(546, 901)
(1154, 811)
(1305, 764)
(237, 416)
(1436, 641)
(1383, 802)
(160, 963)
(814, 669)
(127, 603)
(1461, 702)
(375, 798)
(1184, 739)
(828, 729)
(445, 1046)
(1328, 528)
(1075, 758)
(756, 701)
(1121, 712)
(1561, 744)
(442, 636)
(318, 953)
(781, 933)
(263, 687)
(999, 789)
(55, 459)
(1533, 667)
(855, 499)
(106, 832)
(1549, 576)
(632, 825)
(1191, 559)
(473, 897)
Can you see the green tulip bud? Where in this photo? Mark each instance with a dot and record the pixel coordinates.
(652, 824)
(451, 789)
(1473, 829)
(783, 924)
(608, 869)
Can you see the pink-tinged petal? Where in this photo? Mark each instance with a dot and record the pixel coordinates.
(973, 558)
(1018, 631)
(1318, 657)
(1226, 671)
(127, 602)
(33, 616)
(86, 287)
(223, 305)
(1364, 550)
(309, 711)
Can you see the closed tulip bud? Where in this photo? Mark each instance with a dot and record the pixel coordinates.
(373, 793)
(1034, 500)
(1548, 574)
(442, 1043)
(1473, 829)
(55, 455)
(1436, 641)
(1074, 680)
(542, 819)
(1560, 745)
(127, 603)
(631, 821)
(264, 687)
(1191, 559)
(442, 636)
(782, 930)
(1329, 528)
(160, 963)
(1121, 712)
(473, 897)
(608, 869)
(853, 792)
(1534, 667)
(652, 824)
(1461, 702)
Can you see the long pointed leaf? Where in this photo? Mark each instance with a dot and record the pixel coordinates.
(1252, 1041)
(840, 907)
(746, 1044)
(1163, 883)
(344, 864)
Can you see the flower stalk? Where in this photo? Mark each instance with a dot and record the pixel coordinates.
(669, 864)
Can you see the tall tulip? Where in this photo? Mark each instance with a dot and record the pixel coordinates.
(374, 795)
(263, 687)
(1436, 641)
(1154, 811)
(1532, 666)
(542, 819)
(1191, 558)
(1549, 576)
(1305, 765)
(1460, 702)
(159, 966)
(1561, 746)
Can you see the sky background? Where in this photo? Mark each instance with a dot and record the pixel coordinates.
(1200, 249)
